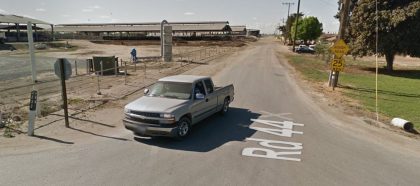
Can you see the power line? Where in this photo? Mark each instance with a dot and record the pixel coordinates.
(288, 9)
(329, 3)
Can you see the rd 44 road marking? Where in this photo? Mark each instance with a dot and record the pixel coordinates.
(275, 149)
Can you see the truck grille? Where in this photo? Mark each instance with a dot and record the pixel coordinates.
(148, 121)
(146, 114)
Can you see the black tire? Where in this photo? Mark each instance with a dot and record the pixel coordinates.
(184, 128)
(225, 107)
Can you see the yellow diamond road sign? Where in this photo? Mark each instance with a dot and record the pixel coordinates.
(337, 64)
(339, 48)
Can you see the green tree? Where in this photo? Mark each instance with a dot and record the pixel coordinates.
(309, 28)
(399, 29)
(286, 30)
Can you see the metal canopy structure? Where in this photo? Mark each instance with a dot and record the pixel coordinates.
(18, 23)
(15, 19)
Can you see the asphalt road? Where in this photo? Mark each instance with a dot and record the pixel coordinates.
(307, 147)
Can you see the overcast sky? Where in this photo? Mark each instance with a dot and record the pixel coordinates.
(260, 14)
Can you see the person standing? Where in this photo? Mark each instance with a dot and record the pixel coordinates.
(133, 55)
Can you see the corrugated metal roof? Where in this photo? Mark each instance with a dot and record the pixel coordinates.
(20, 19)
(145, 23)
(21, 27)
(238, 28)
(142, 28)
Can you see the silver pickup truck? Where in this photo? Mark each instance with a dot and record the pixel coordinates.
(172, 105)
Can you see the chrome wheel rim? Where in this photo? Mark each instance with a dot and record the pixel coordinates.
(183, 128)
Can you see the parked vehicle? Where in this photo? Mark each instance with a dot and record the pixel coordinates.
(172, 105)
(312, 47)
(304, 49)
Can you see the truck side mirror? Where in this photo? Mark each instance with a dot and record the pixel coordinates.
(199, 96)
(146, 91)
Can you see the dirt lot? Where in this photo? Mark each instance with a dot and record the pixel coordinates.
(90, 113)
(83, 87)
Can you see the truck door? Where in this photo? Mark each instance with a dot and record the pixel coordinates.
(199, 107)
(211, 97)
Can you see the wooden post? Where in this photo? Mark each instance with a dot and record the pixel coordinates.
(116, 67)
(102, 68)
(75, 66)
(125, 73)
(87, 66)
(98, 90)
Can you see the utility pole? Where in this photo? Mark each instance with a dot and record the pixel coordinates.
(31, 51)
(296, 26)
(288, 11)
(344, 16)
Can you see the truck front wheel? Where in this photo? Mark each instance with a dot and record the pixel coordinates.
(184, 127)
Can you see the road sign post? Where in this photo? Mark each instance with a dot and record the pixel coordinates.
(32, 112)
(63, 70)
(337, 64)
(339, 49)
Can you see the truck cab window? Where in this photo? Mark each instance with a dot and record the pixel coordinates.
(199, 88)
(209, 85)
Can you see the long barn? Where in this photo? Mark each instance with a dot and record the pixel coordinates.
(143, 30)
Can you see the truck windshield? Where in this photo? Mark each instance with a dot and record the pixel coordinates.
(171, 90)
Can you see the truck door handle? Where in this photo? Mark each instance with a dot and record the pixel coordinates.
(207, 100)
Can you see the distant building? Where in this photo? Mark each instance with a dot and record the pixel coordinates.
(253, 32)
(328, 37)
(238, 30)
(15, 27)
(127, 31)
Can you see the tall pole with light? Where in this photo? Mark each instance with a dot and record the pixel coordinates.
(296, 26)
(288, 13)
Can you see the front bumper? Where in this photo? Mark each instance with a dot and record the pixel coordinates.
(146, 129)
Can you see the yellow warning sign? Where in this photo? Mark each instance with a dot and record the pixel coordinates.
(337, 64)
(340, 48)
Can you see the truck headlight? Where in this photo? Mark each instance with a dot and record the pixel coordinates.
(127, 111)
(167, 116)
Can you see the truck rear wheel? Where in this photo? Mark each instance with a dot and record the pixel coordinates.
(225, 107)
(184, 127)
